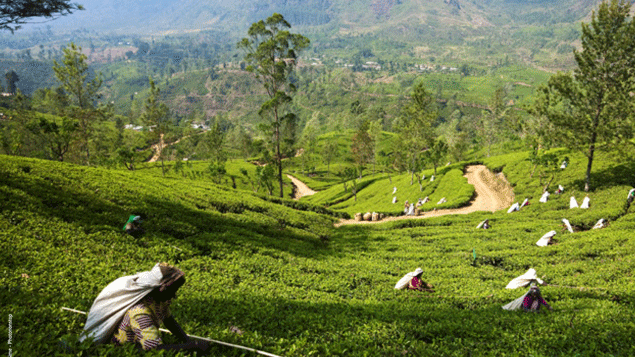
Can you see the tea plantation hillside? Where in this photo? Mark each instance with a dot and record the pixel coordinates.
(294, 286)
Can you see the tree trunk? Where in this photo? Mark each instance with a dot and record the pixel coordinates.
(278, 157)
(412, 172)
(548, 184)
(587, 178)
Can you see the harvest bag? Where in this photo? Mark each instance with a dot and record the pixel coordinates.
(112, 303)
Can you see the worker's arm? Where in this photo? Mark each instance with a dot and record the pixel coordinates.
(174, 327)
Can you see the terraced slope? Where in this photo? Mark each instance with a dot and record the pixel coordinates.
(296, 286)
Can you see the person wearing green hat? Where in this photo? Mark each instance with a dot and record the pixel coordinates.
(133, 226)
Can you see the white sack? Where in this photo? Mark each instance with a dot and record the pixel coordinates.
(394, 190)
(525, 203)
(480, 224)
(411, 210)
(524, 280)
(432, 178)
(544, 241)
(441, 201)
(630, 193)
(513, 208)
(115, 299)
(561, 188)
(585, 202)
(403, 282)
(425, 200)
(544, 197)
(566, 223)
(573, 203)
(394, 199)
(601, 224)
(516, 304)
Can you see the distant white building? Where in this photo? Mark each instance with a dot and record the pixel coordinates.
(197, 125)
(133, 127)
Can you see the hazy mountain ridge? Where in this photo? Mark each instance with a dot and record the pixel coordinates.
(146, 16)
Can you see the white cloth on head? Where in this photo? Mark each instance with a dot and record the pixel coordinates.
(514, 207)
(544, 241)
(394, 199)
(394, 190)
(524, 280)
(567, 224)
(573, 203)
(403, 282)
(432, 178)
(585, 202)
(601, 224)
(114, 300)
(544, 197)
(561, 188)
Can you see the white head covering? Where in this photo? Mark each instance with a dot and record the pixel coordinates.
(524, 279)
(544, 241)
(115, 299)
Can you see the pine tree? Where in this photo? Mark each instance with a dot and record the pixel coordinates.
(592, 108)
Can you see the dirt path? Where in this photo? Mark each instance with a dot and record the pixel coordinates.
(164, 145)
(493, 193)
(301, 189)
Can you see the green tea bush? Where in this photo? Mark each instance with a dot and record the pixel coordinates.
(296, 286)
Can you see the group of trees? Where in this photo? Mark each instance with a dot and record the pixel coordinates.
(588, 109)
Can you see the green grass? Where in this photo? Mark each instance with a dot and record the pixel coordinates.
(298, 287)
(377, 196)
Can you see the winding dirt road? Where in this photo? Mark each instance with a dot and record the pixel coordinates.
(301, 189)
(493, 193)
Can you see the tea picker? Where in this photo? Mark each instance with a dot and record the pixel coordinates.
(133, 226)
(130, 309)
(413, 281)
(532, 300)
(197, 338)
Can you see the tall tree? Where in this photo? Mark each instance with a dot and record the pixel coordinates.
(214, 140)
(271, 54)
(74, 75)
(155, 118)
(436, 153)
(593, 107)
(329, 152)
(492, 123)
(11, 78)
(58, 135)
(362, 147)
(14, 13)
(415, 128)
(374, 130)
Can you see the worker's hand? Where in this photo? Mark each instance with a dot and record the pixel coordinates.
(202, 346)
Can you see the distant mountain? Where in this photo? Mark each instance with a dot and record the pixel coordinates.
(363, 16)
